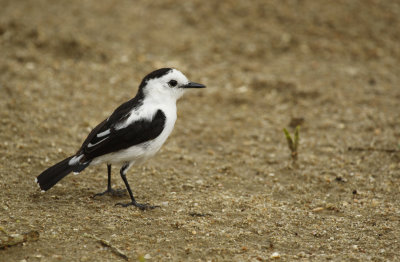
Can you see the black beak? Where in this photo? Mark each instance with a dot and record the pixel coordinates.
(193, 85)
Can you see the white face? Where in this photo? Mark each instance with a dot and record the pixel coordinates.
(167, 86)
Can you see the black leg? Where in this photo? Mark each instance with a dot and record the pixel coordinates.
(110, 191)
(133, 202)
(109, 177)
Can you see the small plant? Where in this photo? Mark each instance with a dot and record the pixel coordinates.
(293, 143)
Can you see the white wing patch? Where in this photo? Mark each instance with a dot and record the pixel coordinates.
(92, 145)
(74, 160)
(104, 133)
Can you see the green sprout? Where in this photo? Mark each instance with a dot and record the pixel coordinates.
(293, 143)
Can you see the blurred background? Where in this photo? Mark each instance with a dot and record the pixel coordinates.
(225, 180)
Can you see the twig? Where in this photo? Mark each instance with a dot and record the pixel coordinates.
(108, 244)
(194, 214)
(373, 149)
(15, 239)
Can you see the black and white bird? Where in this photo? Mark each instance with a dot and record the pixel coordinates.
(134, 132)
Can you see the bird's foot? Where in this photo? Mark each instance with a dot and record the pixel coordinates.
(140, 206)
(112, 192)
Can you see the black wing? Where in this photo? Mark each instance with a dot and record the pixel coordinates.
(119, 115)
(105, 138)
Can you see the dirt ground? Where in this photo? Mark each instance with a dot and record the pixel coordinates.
(224, 179)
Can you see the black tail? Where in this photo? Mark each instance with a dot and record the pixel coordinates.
(48, 178)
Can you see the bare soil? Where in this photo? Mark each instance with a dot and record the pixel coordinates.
(225, 182)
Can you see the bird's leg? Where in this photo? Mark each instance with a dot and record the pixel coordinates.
(110, 191)
(133, 202)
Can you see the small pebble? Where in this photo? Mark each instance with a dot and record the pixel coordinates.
(30, 65)
(318, 209)
(275, 255)
(199, 182)
(302, 254)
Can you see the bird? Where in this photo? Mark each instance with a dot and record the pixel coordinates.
(133, 133)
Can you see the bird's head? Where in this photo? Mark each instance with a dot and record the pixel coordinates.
(166, 83)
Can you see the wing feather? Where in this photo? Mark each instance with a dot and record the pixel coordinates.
(135, 133)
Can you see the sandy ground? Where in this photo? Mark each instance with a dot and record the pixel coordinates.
(224, 180)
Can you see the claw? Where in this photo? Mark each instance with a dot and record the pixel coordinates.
(112, 192)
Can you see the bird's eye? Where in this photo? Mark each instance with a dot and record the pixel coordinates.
(172, 83)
